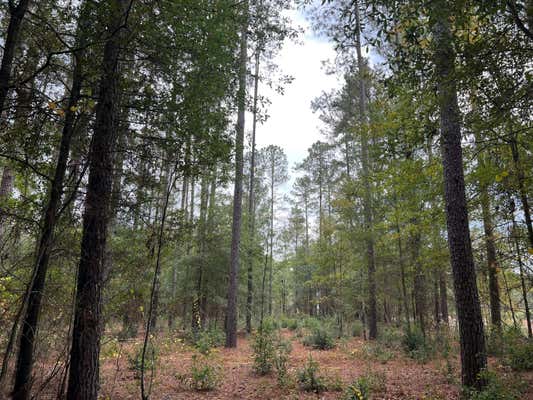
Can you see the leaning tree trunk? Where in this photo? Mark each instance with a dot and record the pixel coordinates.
(13, 29)
(367, 196)
(472, 339)
(231, 313)
(83, 380)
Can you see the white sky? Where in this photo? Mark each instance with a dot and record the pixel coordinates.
(292, 125)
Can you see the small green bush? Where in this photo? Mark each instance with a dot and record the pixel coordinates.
(283, 349)
(495, 389)
(264, 351)
(417, 346)
(365, 386)
(205, 373)
(309, 379)
(376, 351)
(205, 341)
(320, 338)
(357, 329)
(520, 354)
(391, 338)
(135, 361)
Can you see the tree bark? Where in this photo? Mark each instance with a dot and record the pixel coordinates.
(367, 197)
(472, 339)
(12, 37)
(83, 378)
(251, 204)
(231, 316)
(21, 389)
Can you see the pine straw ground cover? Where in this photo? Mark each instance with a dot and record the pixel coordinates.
(404, 378)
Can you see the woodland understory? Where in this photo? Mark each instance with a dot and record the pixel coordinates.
(149, 248)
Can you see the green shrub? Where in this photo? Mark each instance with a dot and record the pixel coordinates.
(309, 378)
(495, 389)
(264, 351)
(375, 351)
(320, 338)
(357, 329)
(135, 361)
(292, 324)
(391, 338)
(283, 349)
(207, 340)
(365, 386)
(417, 346)
(205, 373)
(520, 354)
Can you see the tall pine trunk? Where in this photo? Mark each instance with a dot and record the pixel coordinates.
(472, 339)
(83, 380)
(16, 15)
(231, 312)
(21, 389)
(367, 196)
(251, 202)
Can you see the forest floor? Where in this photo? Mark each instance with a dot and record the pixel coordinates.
(401, 376)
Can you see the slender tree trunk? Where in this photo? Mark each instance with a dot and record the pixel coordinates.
(522, 278)
(508, 291)
(522, 190)
(231, 316)
(83, 379)
(6, 189)
(251, 205)
(21, 389)
(402, 273)
(472, 339)
(443, 297)
(16, 15)
(492, 262)
(271, 237)
(367, 197)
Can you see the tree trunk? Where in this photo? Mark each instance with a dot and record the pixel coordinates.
(367, 197)
(251, 205)
(443, 297)
(472, 339)
(231, 316)
(522, 190)
(21, 389)
(492, 262)
(83, 378)
(15, 21)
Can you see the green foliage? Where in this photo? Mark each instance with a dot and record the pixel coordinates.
(264, 350)
(357, 328)
(495, 389)
(365, 386)
(206, 373)
(150, 360)
(376, 351)
(417, 346)
(391, 338)
(518, 351)
(309, 379)
(209, 339)
(283, 349)
(320, 338)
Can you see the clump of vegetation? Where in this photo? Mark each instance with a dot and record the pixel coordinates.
(135, 361)
(495, 389)
(264, 350)
(417, 346)
(309, 378)
(391, 338)
(365, 386)
(320, 338)
(518, 350)
(376, 351)
(357, 328)
(283, 349)
(206, 373)
(207, 340)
